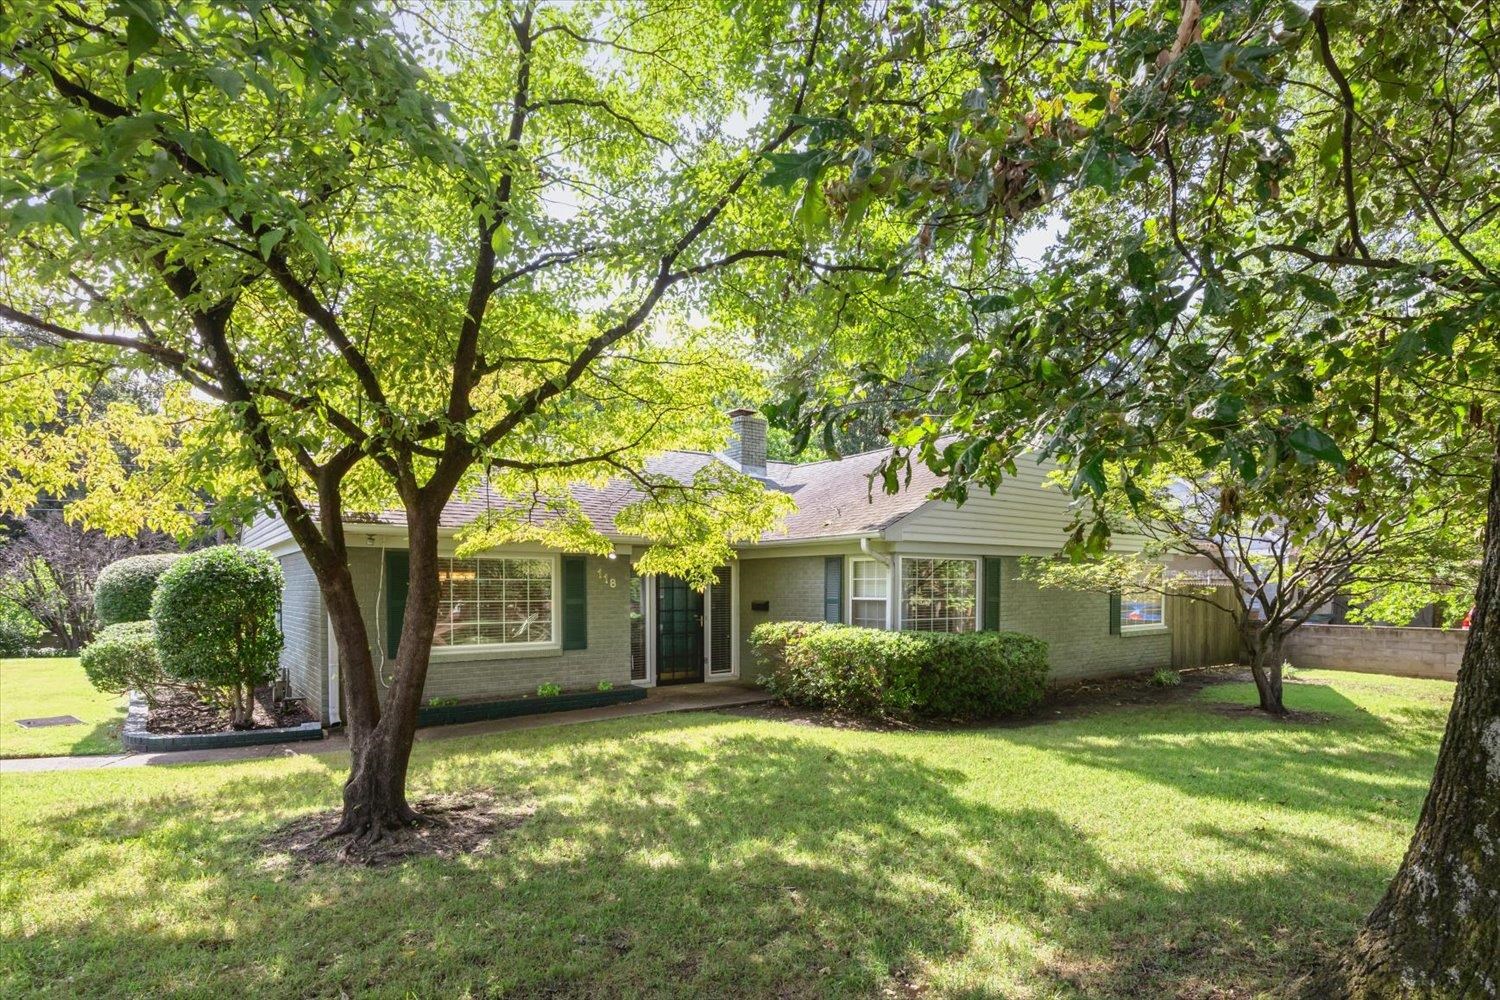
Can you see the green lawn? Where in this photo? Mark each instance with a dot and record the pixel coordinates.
(1173, 850)
(36, 688)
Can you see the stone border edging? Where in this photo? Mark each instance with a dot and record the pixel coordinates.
(135, 737)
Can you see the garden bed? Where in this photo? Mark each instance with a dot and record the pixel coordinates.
(531, 704)
(182, 721)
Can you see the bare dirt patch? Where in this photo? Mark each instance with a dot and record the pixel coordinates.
(1234, 711)
(452, 825)
(183, 711)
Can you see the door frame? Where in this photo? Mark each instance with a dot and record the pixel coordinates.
(648, 611)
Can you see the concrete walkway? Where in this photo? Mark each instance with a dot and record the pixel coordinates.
(678, 698)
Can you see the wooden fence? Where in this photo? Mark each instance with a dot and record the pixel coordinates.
(1202, 635)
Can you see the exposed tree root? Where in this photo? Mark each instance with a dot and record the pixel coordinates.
(443, 826)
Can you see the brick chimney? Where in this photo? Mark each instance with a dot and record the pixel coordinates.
(747, 448)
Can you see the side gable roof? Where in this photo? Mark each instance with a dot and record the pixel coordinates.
(842, 497)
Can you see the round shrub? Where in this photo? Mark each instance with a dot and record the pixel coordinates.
(123, 658)
(124, 588)
(902, 675)
(215, 614)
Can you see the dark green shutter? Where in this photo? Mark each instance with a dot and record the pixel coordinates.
(397, 583)
(1114, 612)
(992, 593)
(833, 589)
(575, 603)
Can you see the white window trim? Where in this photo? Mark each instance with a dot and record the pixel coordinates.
(508, 650)
(849, 587)
(1148, 628)
(900, 599)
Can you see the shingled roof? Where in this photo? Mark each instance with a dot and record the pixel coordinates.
(834, 497)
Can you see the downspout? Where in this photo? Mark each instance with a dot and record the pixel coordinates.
(884, 560)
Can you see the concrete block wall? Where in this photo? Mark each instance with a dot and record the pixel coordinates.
(1405, 652)
(607, 657)
(1075, 626)
(794, 588)
(304, 633)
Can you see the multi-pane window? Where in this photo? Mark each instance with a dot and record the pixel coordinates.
(940, 595)
(1139, 608)
(869, 593)
(484, 602)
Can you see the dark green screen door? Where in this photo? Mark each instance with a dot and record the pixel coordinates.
(679, 632)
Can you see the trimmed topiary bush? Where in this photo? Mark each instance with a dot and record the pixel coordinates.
(123, 658)
(215, 614)
(124, 589)
(902, 675)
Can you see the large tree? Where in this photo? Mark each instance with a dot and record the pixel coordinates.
(385, 252)
(1260, 205)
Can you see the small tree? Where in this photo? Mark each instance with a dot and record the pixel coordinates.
(48, 567)
(125, 588)
(1285, 547)
(215, 613)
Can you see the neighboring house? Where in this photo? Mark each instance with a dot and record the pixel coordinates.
(522, 615)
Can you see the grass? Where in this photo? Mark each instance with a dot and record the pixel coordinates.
(36, 688)
(1171, 850)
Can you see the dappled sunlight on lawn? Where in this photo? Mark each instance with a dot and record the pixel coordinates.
(1132, 852)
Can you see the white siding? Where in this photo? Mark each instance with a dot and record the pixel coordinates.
(1025, 516)
(263, 532)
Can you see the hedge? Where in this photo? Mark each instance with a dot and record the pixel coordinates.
(901, 675)
(124, 589)
(123, 658)
(215, 612)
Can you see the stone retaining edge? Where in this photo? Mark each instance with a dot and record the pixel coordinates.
(135, 737)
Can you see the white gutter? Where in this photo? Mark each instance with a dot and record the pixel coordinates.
(864, 546)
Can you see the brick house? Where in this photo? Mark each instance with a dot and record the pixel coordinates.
(520, 616)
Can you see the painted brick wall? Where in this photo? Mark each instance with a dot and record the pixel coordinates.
(1405, 652)
(793, 585)
(1075, 626)
(607, 657)
(304, 630)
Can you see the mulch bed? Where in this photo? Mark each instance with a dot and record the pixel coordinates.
(180, 711)
(453, 825)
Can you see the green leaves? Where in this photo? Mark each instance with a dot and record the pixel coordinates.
(788, 168)
(141, 32)
(1313, 444)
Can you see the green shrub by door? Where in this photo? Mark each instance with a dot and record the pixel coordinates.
(902, 675)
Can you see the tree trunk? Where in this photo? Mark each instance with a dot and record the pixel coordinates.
(1437, 931)
(1265, 667)
(381, 737)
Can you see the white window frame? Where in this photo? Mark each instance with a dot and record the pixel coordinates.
(900, 610)
(1144, 628)
(469, 651)
(849, 597)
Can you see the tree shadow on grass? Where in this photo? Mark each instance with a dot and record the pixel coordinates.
(742, 865)
(1349, 763)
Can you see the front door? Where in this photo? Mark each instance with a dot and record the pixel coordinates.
(679, 632)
